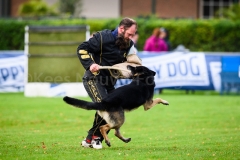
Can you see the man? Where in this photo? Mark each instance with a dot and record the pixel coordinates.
(105, 48)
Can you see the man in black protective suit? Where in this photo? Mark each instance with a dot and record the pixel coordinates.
(105, 48)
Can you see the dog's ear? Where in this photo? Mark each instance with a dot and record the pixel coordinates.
(139, 70)
(130, 67)
(148, 71)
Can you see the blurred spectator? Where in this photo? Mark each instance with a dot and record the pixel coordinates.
(165, 36)
(181, 48)
(155, 43)
(135, 40)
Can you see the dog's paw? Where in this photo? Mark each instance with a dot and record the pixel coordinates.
(108, 143)
(165, 102)
(127, 140)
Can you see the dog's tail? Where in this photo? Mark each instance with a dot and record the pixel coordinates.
(83, 104)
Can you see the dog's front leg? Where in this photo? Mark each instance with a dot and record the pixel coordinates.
(149, 104)
(103, 130)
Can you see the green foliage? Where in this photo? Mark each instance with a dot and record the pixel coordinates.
(68, 6)
(226, 32)
(233, 12)
(11, 35)
(195, 126)
(197, 35)
(35, 8)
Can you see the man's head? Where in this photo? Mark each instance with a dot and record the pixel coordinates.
(126, 30)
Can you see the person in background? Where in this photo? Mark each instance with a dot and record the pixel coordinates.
(155, 43)
(165, 36)
(104, 48)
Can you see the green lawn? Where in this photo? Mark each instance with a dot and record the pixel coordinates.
(194, 126)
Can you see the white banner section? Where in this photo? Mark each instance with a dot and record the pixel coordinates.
(54, 90)
(12, 73)
(179, 69)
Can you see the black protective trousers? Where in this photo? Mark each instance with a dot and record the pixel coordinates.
(96, 91)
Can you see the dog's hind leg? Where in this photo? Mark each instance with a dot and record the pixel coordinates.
(118, 134)
(149, 104)
(103, 130)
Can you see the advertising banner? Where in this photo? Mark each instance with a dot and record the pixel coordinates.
(180, 70)
(12, 66)
(174, 70)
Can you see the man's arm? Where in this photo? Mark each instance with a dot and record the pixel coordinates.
(91, 46)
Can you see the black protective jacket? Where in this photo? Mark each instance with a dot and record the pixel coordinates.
(101, 49)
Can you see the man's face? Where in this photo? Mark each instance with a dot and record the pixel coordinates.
(127, 33)
(124, 36)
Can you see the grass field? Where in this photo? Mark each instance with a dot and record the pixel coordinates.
(194, 126)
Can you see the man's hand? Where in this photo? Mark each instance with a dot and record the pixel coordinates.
(94, 67)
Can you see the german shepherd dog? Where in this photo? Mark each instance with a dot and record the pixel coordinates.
(126, 98)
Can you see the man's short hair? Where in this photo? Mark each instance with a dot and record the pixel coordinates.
(127, 22)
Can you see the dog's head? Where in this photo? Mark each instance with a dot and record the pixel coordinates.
(141, 71)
